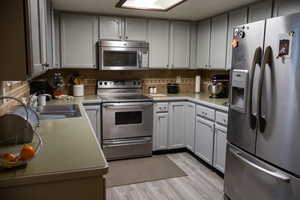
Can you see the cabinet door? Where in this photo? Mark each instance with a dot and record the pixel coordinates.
(260, 11)
(204, 142)
(94, 115)
(220, 148)
(56, 40)
(236, 17)
(218, 42)
(176, 125)
(161, 131)
(159, 43)
(193, 46)
(190, 119)
(136, 29)
(286, 7)
(43, 30)
(79, 35)
(180, 44)
(111, 28)
(37, 67)
(203, 43)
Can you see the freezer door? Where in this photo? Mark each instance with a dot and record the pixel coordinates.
(278, 138)
(249, 178)
(246, 58)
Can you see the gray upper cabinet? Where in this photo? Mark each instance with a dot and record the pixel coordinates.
(176, 125)
(136, 29)
(218, 42)
(204, 142)
(79, 35)
(203, 43)
(111, 28)
(193, 45)
(236, 17)
(286, 7)
(180, 44)
(260, 11)
(190, 119)
(159, 43)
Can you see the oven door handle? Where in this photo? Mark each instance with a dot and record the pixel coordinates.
(128, 141)
(126, 106)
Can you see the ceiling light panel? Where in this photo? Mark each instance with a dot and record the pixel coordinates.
(159, 5)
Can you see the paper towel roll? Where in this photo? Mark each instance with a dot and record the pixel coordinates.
(198, 84)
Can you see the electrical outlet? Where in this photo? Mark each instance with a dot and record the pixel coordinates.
(178, 79)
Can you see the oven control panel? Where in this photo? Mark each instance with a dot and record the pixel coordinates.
(119, 84)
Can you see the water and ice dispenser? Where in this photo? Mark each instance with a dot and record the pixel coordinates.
(239, 90)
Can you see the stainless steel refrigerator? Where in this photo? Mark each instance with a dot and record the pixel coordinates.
(263, 151)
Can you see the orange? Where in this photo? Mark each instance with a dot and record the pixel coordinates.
(27, 152)
(10, 157)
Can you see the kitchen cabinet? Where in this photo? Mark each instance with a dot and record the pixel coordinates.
(56, 40)
(204, 142)
(158, 32)
(193, 46)
(180, 44)
(190, 119)
(220, 148)
(136, 29)
(176, 125)
(161, 131)
(79, 35)
(203, 43)
(111, 28)
(286, 7)
(218, 44)
(94, 115)
(260, 11)
(236, 17)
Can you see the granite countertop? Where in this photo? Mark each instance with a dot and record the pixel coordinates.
(70, 150)
(201, 98)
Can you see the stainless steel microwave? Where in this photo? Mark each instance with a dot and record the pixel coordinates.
(123, 55)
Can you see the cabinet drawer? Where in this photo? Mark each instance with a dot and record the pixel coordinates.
(221, 118)
(205, 112)
(162, 107)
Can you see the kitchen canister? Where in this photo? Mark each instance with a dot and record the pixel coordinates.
(198, 84)
(78, 90)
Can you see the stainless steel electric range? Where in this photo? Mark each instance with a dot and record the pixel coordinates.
(127, 119)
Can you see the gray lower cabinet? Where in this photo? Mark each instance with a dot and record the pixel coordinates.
(236, 17)
(94, 114)
(218, 42)
(286, 7)
(260, 11)
(220, 148)
(204, 143)
(161, 131)
(203, 44)
(190, 120)
(176, 125)
(79, 35)
(158, 33)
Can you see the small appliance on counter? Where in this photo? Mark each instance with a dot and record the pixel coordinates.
(173, 88)
(218, 86)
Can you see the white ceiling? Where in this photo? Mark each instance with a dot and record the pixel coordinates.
(189, 10)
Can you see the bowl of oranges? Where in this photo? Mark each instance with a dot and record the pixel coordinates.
(23, 156)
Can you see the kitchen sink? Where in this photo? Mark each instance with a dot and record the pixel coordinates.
(59, 111)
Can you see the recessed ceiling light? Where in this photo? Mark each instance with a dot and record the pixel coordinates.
(155, 5)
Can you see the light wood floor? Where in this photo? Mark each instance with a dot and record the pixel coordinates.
(200, 184)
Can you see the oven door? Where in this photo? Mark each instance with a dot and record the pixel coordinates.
(120, 58)
(127, 120)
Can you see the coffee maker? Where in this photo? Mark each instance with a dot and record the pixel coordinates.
(219, 86)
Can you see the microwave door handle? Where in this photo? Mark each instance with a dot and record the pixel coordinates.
(139, 59)
(267, 60)
(256, 63)
(276, 175)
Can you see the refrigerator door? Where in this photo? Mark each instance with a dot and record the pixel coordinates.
(278, 138)
(246, 58)
(249, 178)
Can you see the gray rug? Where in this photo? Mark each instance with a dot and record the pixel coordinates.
(140, 170)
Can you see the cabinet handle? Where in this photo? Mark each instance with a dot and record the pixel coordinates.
(126, 37)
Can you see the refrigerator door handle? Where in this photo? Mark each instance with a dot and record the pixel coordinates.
(267, 60)
(276, 175)
(256, 62)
